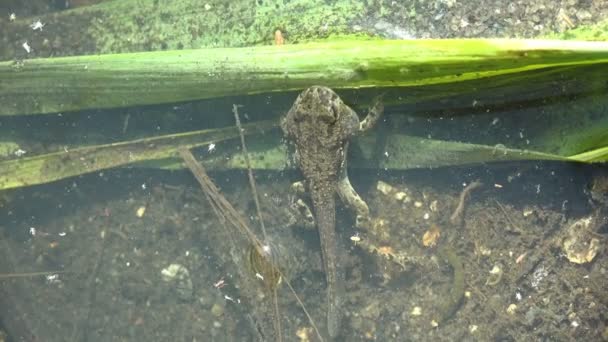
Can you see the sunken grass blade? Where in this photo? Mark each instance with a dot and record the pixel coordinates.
(573, 131)
(49, 167)
(50, 85)
(407, 152)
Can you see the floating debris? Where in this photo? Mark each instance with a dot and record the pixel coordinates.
(538, 275)
(37, 25)
(304, 334)
(528, 211)
(140, 211)
(521, 258)
(400, 196)
(386, 251)
(384, 188)
(26, 47)
(495, 276)
(483, 251)
(179, 276)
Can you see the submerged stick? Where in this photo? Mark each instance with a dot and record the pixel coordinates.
(259, 211)
(249, 170)
(216, 199)
(28, 274)
(513, 225)
(458, 212)
(254, 191)
(226, 212)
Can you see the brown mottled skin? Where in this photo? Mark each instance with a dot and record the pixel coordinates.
(320, 125)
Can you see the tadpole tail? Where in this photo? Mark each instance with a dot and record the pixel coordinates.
(324, 202)
(456, 292)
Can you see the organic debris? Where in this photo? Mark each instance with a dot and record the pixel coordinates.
(430, 237)
(458, 212)
(579, 246)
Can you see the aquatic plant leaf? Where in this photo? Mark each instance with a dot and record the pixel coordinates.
(50, 85)
(49, 167)
(406, 152)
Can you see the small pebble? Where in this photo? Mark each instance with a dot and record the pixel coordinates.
(384, 188)
(400, 196)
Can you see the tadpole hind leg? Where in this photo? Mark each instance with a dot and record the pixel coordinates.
(351, 199)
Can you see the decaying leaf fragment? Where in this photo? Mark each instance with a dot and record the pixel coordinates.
(578, 246)
(430, 237)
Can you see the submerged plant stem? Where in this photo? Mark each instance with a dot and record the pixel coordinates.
(225, 211)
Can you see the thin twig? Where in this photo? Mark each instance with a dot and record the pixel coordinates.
(259, 210)
(312, 322)
(254, 190)
(15, 300)
(275, 299)
(221, 206)
(277, 321)
(125, 123)
(225, 211)
(458, 212)
(81, 331)
(516, 228)
(28, 274)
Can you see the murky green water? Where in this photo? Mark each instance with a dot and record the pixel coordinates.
(139, 252)
(114, 234)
